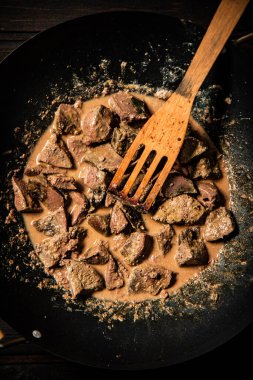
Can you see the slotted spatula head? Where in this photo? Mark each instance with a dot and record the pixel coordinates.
(162, 136)
(160, 141)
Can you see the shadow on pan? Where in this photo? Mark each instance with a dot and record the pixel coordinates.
(81, 58)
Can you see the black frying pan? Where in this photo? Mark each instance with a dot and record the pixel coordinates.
(158, 333)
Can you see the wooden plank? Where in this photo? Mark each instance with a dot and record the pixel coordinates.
(9, 41)
(29, 16)
(15, 36)
(6, 47)
(29, 359)
(51, 371)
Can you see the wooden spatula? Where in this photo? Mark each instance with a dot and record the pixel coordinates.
(164, 132)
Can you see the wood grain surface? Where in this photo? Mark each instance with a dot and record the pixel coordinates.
(19, 21)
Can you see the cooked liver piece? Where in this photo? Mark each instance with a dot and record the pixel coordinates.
(113, 276)
(136, 248)
(118, 221)
(164, 238)
(97, 254)
(122, 138)
(103, 157)
(134, 218)
(109, 200)
(61, 182)
(67, 120)
(53, 199)
(97, 125)
(182, 209)
(191, 248)
(118, 241)
(92, 176)
(79, 207)
(219, 223)
(60, 276)
(23, 200)
(205, 168)
(123, 268)
(100, 223)
(177, 184)
(191, 148)
(77, 147)
(43, 169)
(96, 198)
(128, 107)
(150, 280)
(83, 278)
(54, 153)
(52, 250)
(53, 224)
(208, 194)
(37, 187)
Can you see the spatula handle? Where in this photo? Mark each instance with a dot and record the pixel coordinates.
(218, 32)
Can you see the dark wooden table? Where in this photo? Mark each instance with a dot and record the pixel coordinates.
(19, 21)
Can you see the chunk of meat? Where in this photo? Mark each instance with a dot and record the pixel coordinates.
(62, 182)
(97, 125)
(182, 209)
(79, 207)
(54, 153)
(52, 250)
(37, 187)
(177, 184)
(136, 248)
(92, 176)
(123, 268)
(97, 254)
(191, 148)
(134, 218)
(164, 238)
(208, 194)
(77, 147)
(128, 107)
(83, 279)
(43, 169)
(100, 223)
(118, 222)
(113, 276)
(191, 248)
(23, 200)
(219, 223)
(117, 242)
(122, 138)
(66, 120)
(177, 168)
(60, 276)
(53, 224)
(149, 280)
(53, 199)
(205, 168)
(103, 157)
(96, 198)
(110, 200)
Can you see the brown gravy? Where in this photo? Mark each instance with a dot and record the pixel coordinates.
(168, 261)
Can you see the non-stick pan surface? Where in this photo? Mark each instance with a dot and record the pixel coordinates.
(76, 59)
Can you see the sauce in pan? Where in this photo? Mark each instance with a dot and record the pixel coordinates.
(155, 257)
